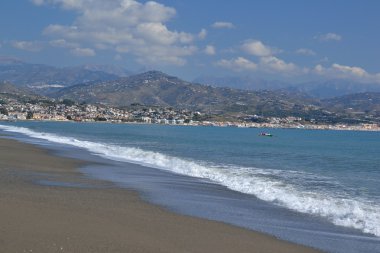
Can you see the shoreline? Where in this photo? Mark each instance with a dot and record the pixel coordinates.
(354, 128)
(96, 216)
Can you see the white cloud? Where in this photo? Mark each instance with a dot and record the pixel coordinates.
(63, 44)
(329, 37)
(223, 25)
(355, 71)
(346, 72)
(83, 52)
(257, 48)
(337, 70)
(31, 46)
(210, 50)
(274, 64)
(238, 64)
(157, 33)
(125, 26)
(268, 64)
(305, 51)
(202, 34)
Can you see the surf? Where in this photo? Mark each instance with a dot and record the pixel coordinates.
(280, 187)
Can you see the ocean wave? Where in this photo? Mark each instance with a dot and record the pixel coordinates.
(268, 185)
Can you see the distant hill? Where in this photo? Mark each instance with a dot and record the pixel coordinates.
(157, 88)
(44, 79)
(8, 88)
(367, 103)
(9, 91)
(318, 89)
(336, 88)
(242, 82)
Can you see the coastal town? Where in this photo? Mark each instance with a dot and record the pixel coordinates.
(67, 110)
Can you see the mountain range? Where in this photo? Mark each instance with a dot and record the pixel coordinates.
(367, 103)
(9, 91)
(91, 84)
(323, 89)
(44, 79)
(160, 89)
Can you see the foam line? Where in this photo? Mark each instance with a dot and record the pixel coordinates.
(268, 185)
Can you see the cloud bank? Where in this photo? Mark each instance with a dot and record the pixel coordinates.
(31, 46)
(139, 30)
(266, 61)
(125, 26)
(346, 72)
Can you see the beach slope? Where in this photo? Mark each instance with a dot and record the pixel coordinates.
(94, 216)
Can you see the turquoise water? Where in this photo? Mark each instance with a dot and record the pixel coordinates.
(327, 177)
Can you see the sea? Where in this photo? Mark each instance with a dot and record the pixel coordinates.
(318, 188)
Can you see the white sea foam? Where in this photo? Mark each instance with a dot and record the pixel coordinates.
(268, 185)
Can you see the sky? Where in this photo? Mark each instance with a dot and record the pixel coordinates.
(292, 40)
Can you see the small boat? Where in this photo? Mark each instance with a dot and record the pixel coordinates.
(266, 134)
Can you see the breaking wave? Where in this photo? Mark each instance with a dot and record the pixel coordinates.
(276, 186)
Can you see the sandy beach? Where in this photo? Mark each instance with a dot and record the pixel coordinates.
(95, 216)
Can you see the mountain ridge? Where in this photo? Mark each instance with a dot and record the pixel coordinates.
(366, 103)
(44, 79)
(323, 89)
(155, 88)
(160, 89)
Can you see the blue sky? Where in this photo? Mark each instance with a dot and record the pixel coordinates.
(285, 40)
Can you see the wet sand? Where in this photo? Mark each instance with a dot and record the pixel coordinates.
(100, 217)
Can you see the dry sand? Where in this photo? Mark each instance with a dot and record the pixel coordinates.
(101, 217)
